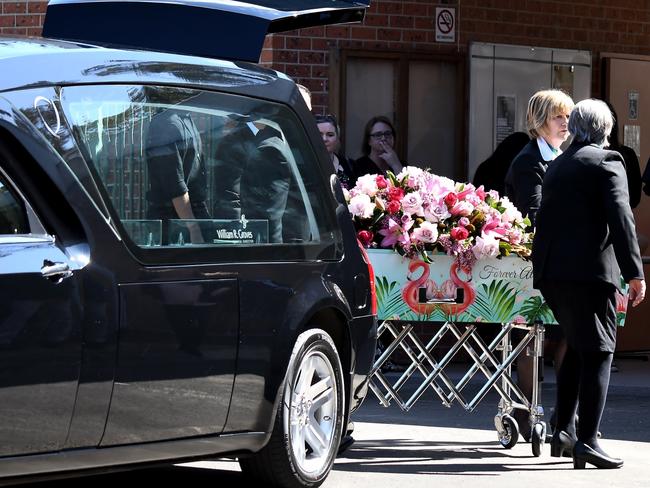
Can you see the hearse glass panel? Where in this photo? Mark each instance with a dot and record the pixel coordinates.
(191, 169)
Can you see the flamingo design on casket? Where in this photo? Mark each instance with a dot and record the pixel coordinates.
(446, 290)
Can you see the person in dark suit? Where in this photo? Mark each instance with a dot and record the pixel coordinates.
(546, 120)
(253, 176)
(584, 241)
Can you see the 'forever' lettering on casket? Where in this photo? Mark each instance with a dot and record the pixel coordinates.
(525, 272)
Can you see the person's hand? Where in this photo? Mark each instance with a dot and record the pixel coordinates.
(389, 155)
(196, 237)
(637, 291)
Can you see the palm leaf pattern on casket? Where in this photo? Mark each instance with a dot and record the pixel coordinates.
(535, 308)
(495, 302)
(389, 297)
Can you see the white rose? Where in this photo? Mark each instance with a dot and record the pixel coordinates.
(367, 184)
(361, 206)
(413, 174)
(485, 247)
(426, 232)
(412, 204)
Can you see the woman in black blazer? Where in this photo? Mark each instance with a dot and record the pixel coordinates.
(546, 120)
(584, 241)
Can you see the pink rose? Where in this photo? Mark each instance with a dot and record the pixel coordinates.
(463, 209)
(393, 207)
(396, 194)
(365, 237)
(459, 233)
(381, 182)
(451, 199)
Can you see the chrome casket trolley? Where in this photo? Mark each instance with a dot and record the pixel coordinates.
(494, 293)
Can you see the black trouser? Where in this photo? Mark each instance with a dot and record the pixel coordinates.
(582, 383)
(586, 311)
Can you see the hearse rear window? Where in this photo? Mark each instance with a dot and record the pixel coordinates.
(186, 168)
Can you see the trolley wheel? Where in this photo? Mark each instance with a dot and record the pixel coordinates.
(510, 434)
(537, 438)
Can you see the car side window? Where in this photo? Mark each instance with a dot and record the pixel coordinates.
(185, 168)
(13, 212)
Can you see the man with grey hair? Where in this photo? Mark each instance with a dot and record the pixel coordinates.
(584, 242)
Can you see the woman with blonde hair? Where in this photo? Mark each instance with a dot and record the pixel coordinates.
(547, 121)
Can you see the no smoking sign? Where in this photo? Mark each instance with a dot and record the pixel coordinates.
(445, 24)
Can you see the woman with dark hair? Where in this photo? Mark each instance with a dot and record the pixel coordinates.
(378, 148)
(331, 134)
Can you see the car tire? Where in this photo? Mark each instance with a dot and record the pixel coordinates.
(309, 419)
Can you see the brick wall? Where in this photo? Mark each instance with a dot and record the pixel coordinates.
(22, 18)
(594, 25)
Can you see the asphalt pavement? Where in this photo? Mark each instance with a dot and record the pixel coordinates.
(432, 445)
(435, 446)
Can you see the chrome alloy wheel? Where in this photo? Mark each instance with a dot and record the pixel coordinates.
(313, 412)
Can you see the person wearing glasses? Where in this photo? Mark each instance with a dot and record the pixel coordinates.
(378, 149)
(330, 132)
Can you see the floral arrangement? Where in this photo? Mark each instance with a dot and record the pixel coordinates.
(417, 212)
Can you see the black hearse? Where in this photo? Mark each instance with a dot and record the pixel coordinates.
(179, 274)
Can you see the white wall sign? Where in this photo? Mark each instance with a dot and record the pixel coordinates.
(445, 24)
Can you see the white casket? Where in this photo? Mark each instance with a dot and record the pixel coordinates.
(496, 290)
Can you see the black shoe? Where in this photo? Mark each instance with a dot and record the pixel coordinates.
(553, 421)
(583, 454)
(562, 444)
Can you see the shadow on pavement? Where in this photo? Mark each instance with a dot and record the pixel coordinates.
(405, 456)
(624, 417)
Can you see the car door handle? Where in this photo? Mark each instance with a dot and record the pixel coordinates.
(55, 272)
